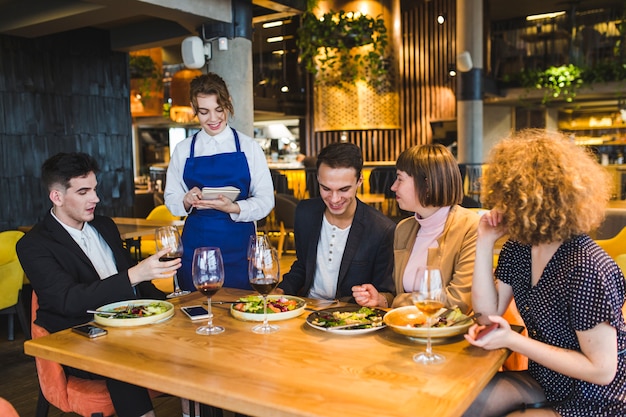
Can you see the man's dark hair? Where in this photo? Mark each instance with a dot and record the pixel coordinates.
(341, 155)
(62, 167)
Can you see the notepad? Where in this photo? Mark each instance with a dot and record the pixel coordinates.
(211, 193)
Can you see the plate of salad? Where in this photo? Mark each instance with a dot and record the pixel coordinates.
(279, 307)
(134, 313)
(348, 320)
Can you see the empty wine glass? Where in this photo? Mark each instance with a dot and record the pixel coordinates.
(429, 297)
(207, 270)
(263, 272)
(168, 237)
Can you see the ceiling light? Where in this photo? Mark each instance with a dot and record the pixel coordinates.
(273, 24)
(441, 19)
(275, 39)
(551, 15)
(451, 70)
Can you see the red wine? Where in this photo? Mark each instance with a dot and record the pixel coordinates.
(170, 257)
(264, 286)
(209, 289)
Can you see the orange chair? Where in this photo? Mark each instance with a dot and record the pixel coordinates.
(6, 409)
(68, 394)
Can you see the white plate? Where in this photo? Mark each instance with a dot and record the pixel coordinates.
(400, 320)
(316, 314)
(209, 193)
(247, 316)
(138, 321)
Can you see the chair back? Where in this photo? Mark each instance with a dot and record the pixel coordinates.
(312, 185)
(161, 212)
(284, 213)
(614, 246)
(11, 272)
(68, 394)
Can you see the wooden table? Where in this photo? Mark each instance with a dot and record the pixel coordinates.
(297, 371)
(132, 228)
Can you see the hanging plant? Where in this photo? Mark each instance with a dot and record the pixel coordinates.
(343, 47)
(558, 82)
(143, 68)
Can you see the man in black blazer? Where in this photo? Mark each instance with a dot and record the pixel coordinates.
(343, 246)
(75, 261)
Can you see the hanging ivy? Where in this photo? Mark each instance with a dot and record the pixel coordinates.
(343, 47)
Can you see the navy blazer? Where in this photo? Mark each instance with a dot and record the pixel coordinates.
(367, 258)
(66, 282)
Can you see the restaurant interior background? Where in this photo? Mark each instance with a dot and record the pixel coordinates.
(70, 79)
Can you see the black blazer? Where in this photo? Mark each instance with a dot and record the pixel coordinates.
(368, 256)
(65, 281)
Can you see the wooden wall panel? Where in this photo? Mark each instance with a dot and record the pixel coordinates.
(427, 93)
(63, 93)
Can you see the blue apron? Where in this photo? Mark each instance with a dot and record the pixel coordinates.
(214, 227)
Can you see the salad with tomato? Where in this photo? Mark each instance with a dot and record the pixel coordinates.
(254, 304)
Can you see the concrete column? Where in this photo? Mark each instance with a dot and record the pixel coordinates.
(231, 45)
(235, 67)
(469, 37)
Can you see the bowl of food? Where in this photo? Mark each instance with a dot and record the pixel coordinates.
(409, 321)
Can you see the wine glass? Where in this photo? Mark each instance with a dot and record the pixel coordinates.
(263, 271)
(429, 297)
(207, 270)
(168, 237)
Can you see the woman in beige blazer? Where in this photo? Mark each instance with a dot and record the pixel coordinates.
(441, 234)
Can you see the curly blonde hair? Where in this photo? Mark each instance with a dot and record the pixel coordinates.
(547, 187)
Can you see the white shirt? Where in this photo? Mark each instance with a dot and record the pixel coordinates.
(94, 246)
(330, 249)
(261, 200)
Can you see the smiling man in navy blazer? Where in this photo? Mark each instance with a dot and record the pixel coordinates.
(343, 246)
(76, 262)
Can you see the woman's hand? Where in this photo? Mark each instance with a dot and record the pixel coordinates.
(191, 197)
(368, 296)
(221, 203)
(493, 339)
(151, 268)
(490, 226)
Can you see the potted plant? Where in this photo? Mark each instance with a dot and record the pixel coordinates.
(343, 47)
(144, 70)
(557, 82)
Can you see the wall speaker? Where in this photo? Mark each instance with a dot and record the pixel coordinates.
(464, 62)
(193, 52)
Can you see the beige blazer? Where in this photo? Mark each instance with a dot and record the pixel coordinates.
(454, 256)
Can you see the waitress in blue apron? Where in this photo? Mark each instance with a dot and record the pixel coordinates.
(217, 156)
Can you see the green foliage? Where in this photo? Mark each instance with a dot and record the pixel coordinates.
(142, 66)
(558, 82)
(328, 48)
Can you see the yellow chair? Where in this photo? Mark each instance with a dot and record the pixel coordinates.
(614, 246)
(11, 281)
(148, 246)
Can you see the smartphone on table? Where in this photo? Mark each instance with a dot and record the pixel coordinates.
(89, 330)
(195, 312)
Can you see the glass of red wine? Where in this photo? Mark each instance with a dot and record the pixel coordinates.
(207, 271)
(168, 237)
(263, 272)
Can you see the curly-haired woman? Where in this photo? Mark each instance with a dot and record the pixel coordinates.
(546, 193)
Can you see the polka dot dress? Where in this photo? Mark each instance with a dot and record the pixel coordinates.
(580, 287)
